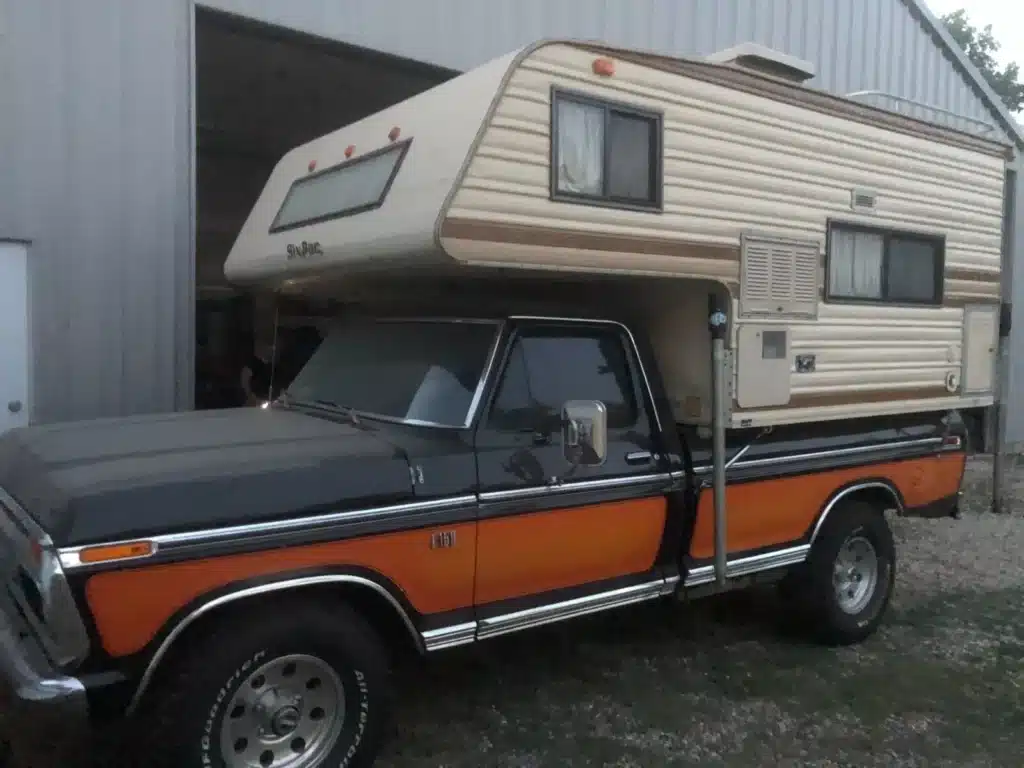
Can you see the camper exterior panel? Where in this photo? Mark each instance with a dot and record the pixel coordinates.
(439, 126)
(733, 161)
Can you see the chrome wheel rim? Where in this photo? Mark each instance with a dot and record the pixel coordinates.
(855, 574)
(287, 714)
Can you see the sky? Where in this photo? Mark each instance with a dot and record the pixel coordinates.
(1005, 16)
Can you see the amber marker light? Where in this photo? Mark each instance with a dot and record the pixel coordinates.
(112, 552)
(603, 67)
(349, 150)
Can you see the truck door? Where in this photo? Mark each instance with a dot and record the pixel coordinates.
(544, 525)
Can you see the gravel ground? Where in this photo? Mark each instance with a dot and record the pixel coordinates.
(727, 682)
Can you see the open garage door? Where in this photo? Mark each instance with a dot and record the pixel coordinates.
(259, 92)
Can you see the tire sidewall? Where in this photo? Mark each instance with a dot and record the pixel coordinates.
(355, 740)
(871, 525)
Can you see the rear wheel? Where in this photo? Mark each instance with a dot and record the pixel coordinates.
(848, 580)
(305, 688)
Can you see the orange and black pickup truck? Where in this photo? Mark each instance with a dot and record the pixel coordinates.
(237, 580)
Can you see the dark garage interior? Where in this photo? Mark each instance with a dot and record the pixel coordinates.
(260, 91)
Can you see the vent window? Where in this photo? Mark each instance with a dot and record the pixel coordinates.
(604, 153)
(779, 277)
(883, 266)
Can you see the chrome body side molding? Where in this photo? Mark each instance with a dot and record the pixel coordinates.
(263, 589)
(849, 491)
(745, 566)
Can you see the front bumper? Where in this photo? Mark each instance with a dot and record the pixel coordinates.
(44, 715)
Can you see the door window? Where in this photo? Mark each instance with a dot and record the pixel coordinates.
(547, 367)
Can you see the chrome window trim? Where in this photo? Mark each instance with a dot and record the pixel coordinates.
(263, 589)
(174, 542)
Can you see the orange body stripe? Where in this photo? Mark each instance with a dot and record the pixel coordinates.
(777, 511)
(529, 554)
(130, 606)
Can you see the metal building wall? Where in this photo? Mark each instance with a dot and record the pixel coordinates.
(95, 140)
(856, 45)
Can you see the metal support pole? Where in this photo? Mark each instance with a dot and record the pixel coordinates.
(1002, 388)
(717, 325)
(999, 409)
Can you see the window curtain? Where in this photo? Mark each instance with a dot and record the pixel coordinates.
(855, 264)
(580, 148)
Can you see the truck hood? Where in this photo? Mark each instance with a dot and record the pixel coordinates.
(130, 477)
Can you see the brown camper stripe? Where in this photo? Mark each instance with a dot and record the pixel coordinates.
(550, 237)
(821, 401)
(964, 301)
(801, 96)
(974, 275)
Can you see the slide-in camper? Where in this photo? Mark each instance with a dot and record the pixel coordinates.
(607, 327)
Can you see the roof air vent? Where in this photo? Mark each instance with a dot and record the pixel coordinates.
(767, 61)
(863, 200)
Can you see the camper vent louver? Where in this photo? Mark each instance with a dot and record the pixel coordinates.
(863, 200)
(779, 277)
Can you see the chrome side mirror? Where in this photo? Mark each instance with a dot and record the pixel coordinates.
(585, 432)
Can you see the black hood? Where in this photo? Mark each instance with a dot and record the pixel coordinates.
(127, 477)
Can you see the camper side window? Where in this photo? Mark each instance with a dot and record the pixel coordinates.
(604, 153)
(877, 265)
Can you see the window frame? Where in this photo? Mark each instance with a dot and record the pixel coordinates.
(401, 147)
(887, 234)
(528, 326)
(605, 200)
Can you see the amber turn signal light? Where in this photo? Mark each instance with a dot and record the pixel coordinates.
(106, 553)
(604, 67)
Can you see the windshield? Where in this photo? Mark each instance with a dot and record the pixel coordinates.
(421, 372)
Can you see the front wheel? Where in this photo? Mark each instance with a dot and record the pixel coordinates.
(850, 574)
(306, 688)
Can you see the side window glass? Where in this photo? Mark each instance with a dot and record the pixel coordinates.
(548, 367)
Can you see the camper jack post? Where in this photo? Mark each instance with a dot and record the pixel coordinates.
(717, 326)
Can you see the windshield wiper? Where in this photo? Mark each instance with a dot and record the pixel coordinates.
(347, 410)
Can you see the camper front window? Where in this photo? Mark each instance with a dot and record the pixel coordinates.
(413, 371)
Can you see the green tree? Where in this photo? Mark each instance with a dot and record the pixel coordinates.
(981, 46)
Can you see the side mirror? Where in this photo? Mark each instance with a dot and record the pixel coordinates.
(585, 432)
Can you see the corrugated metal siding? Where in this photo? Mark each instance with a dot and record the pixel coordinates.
(95, 173)
(888, 49)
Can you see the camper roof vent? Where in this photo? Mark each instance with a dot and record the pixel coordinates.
(863, 200)
(767, 61)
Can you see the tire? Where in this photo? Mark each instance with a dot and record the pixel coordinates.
(849, 609)
(209, 705)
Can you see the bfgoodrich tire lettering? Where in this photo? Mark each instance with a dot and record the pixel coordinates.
(839, 610)
(245, 691)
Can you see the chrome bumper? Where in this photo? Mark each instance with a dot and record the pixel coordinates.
(42, 712)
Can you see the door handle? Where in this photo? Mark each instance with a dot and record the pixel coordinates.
(639, 457)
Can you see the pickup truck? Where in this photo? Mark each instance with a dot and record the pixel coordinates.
(238, 580)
